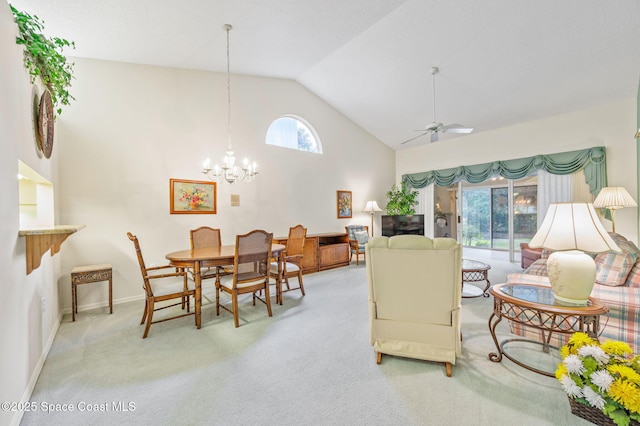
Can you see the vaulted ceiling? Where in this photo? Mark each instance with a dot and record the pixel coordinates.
(501, 62)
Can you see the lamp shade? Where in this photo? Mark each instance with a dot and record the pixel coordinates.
(573, 226)
(372, 206)
(613, 197)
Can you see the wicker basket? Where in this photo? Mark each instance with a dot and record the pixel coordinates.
(593, 415)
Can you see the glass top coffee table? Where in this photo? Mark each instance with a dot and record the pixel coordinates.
(474, 271)
(535, 306)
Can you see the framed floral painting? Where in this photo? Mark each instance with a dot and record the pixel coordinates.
(192, 197)
(345, 209)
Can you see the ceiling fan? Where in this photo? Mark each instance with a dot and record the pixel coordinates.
(437, 127)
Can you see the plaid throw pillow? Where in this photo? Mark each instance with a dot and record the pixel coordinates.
(633, 279)
(613, 268)
(539, 267)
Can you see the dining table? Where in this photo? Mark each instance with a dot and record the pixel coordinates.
(205, 257)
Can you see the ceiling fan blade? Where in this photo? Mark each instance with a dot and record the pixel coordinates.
(413, 138)
(434, 137)
(456, 128)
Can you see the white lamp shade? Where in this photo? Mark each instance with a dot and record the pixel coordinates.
(573, 226)
(372, 206)
(613, 197)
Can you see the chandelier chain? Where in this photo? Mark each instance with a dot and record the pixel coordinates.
(228, 28)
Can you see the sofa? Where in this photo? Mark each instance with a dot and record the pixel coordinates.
(617, 286)
(415, 289)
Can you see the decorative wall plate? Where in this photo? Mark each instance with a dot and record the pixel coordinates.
(45, 124)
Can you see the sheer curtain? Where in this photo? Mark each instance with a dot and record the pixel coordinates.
(552, 189)
(425, 207)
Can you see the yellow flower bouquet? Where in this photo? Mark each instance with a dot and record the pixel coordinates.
(605, 376)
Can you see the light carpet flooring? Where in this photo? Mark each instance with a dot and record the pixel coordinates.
(309, 364)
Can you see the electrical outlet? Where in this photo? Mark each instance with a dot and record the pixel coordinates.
(43, 305)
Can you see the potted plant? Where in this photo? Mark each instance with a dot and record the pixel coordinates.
(602, 381)
(401, 201)
(43, 57)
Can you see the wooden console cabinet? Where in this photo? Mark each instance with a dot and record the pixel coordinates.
(323, 251)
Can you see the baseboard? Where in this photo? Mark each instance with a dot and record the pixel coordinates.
(89, 306)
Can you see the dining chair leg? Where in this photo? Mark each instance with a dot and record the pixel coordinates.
(144, 314)
(286, 281)
(234, 305)
(149, 319)
(300, 281)
(268, 300)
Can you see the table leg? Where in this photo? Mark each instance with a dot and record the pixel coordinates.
(592, 326)
(495, 357)
(74, 302)
(198, 281)
(485, 292)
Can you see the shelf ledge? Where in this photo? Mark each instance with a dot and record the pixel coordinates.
(42, 239)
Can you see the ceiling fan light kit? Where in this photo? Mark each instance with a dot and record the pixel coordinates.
(436, 127)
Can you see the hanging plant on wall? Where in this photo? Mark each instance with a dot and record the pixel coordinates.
(401, 201)
(43, 57)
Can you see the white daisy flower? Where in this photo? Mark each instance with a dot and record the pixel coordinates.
(596, 352)
(574, 364)
(602, 379)
(593, 398)
(570, 387)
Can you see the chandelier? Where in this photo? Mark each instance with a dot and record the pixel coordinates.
(229, 171)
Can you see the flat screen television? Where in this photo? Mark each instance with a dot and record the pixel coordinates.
(402, 224)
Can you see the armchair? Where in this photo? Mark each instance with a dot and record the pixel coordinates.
(414, 286)
(358, 238)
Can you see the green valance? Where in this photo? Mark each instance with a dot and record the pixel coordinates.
(592, 160)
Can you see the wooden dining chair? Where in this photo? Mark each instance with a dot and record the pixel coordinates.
(159, 287)
(207, 237)
(250, 272)
(292, 265)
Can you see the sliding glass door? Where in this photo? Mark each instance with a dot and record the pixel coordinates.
(499, 213)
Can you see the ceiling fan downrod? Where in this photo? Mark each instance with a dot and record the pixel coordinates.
(434, 71)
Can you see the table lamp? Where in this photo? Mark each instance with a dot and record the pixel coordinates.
(613, 198)
(371, 207)
(572, 228)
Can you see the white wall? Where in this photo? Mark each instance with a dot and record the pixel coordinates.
(611, 125)
(134, 127)
(27, 330)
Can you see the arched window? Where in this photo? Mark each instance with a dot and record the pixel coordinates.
(292, 132)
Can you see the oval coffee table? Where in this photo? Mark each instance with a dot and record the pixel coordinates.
(535, 306)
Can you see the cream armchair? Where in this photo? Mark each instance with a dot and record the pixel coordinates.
(415, 286)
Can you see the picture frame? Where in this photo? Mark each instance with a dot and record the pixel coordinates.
(192, 197)
(345, 204)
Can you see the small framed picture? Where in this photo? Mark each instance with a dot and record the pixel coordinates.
(345, 209)
(192, 197)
